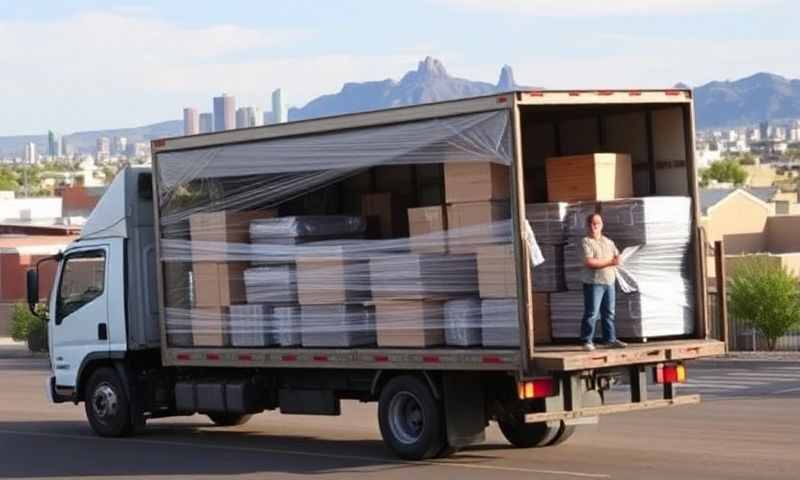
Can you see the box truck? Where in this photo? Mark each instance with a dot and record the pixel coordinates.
(293, 266)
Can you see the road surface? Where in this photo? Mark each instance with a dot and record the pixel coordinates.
(748, 427)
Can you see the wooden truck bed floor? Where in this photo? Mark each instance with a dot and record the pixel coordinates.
(572, 357)
(545, 357)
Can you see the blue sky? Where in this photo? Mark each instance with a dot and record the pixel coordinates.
(93, 64)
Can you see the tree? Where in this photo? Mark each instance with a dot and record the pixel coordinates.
(766, 297)
(727, 171)
(8, 179)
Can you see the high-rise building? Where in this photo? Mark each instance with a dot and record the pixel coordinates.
(243, 117)
(30, 153)
(206, 122)
(279, 110)
(53, 144)
(257, 117)
(763, 131)
(103, 149)
(249, 117)
(224, 113)
(118, 145)
(191, 122)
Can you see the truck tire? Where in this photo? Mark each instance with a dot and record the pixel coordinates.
(540, 434)
(228, 419)
(107, 406)
(564, 433)
(411, 419)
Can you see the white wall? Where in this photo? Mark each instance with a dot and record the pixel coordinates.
(30, 208)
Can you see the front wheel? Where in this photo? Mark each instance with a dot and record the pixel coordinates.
(106, 404)
(410, 419)
(540, 434)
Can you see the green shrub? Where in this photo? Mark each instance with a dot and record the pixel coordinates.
(766, 297)
(26, 326)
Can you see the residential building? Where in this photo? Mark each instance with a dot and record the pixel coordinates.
(80, 200)
(279, 109)
(736, 216)
(206, 122)
(224, 113)
(18, 253)
(191, 121)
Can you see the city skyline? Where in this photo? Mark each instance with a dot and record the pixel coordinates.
(176, 54)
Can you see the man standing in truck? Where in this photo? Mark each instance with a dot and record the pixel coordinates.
(600, 259)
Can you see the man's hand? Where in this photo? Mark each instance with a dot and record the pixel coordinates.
(616, 261)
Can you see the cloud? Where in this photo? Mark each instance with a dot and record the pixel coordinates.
(573, 8)
(658, 63)
(121, 68)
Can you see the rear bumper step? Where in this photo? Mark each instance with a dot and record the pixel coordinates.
(608, 409)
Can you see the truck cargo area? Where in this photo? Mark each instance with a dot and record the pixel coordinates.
(425, 266)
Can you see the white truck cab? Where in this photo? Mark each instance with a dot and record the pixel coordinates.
(102, 308)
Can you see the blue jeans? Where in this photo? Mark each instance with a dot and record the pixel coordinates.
(598, 302)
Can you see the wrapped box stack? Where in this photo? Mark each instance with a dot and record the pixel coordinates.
(661, 227)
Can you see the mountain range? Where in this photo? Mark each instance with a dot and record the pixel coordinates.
(763, 96)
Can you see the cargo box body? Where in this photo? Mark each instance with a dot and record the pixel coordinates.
(425, 207)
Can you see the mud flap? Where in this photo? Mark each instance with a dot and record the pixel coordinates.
(464, 409)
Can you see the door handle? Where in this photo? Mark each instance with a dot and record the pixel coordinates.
(102, 331)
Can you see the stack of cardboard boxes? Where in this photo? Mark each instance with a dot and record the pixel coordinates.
(430, 296)
(442, 274)
(218, 283)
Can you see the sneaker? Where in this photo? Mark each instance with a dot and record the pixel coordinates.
(617, 344)
(588, 347)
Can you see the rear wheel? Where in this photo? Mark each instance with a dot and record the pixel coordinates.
(540, 434)
(228, 419)
(106, 404)
(411, 419)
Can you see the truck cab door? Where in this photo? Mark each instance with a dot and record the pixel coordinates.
(79, 311)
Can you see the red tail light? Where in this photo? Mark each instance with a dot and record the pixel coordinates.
(536, 388)
(670, 373)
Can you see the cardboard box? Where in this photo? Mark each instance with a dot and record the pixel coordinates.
(476, 182)
(599, 176)
(209, 327)
(332, 279)
(386, 214)
(472, 225)
(218, 283)
(431, 224)
(409, 323)
(225, 226)
(496, 272)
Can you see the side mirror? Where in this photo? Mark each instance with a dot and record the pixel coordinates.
(33, 290)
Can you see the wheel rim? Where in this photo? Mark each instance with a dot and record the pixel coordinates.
(406, 419)
(104, 402)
